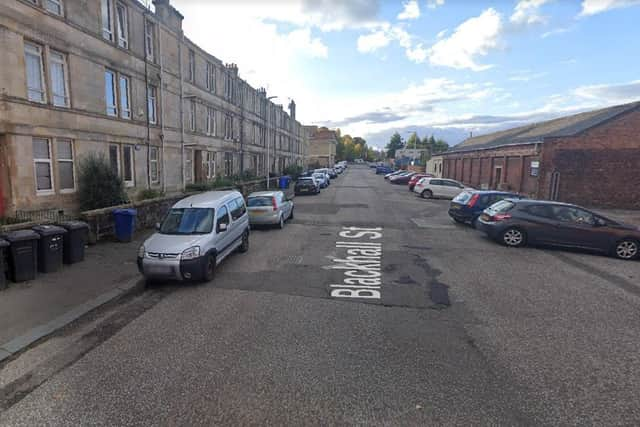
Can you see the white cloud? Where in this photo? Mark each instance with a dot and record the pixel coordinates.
(432, 4)
(593, 7)
(417, 54)
(526, 76)
(302, 41)
(527, 12)
(606, 94)
(558, 31)
(411, 10)
(474, 37)
(374, 41)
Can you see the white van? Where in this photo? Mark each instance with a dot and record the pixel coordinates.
(195, 236)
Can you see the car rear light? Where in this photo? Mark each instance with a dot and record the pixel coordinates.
(274, 204)
(473, 201)
(500, 217)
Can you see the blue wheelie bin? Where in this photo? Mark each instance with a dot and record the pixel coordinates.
(284, 181)
(125, 224)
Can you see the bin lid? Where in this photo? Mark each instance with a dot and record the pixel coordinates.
(3, 243)
(129, 212)
(48, 230)
(20, 236)
(73, 225)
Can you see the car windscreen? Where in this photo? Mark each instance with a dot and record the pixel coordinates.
(462, 197)
(305, 181)
(502, 206)
(253, 202)
(188, 221)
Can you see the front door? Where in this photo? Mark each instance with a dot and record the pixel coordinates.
(197, 163)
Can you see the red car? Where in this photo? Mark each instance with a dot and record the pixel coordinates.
(415, 178)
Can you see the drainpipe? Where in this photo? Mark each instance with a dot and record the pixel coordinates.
(182, 151)
(2, 162)
(162, 145)
(146, 81)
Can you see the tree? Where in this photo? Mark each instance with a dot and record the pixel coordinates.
(395, 143)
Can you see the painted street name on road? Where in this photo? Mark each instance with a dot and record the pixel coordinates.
(361, 263)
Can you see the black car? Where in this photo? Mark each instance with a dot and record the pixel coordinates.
(519, 222)
(306, 185)
(468, 205)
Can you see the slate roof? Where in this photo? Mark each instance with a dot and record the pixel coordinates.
(537, 132)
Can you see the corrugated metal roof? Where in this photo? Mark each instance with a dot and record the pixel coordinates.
(536, 132)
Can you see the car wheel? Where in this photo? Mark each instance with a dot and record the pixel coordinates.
(459, 221)
(244, 247)
(474, 222)
(291, 214)
(513, 237)
(627, 249)
(209, 268)
(281, 223)
(426, 194)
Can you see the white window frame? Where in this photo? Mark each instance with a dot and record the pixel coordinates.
(192, 115)
(188, 165)
(152, 105)
(48, 161)
(209, 162)
(211, 77)
(132, 167)
(123, 30)
(125, 110)
(107, 21)
(192, 66)
(35, 50)
(153, 152)
(59, 58)
(211, 121)
(114, 85)
(56, 3)
(149, 40)
(71, 160)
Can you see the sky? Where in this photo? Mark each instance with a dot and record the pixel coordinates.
(450, 68)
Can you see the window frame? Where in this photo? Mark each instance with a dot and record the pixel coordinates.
(35, 49)
(125, 111)
(48, 161)
(209, 164)
(152, 101)
(57, 3)
(192, 65)
(211, 77)
(211, 121)
(62, 61)
(73, 167)
(117, 147)
(152, 161)
(114, 106)
(132, 168)
(188, 164)
(192, 115)
(122, 33)
(108, 29)
(149, 40)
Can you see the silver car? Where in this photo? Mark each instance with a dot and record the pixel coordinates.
(269, 207)
(195, 236)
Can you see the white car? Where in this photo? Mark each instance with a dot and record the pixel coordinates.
(439, 187)
(322, 179)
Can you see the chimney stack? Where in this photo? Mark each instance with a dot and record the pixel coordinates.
(168, 15)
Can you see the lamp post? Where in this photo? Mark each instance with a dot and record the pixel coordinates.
(268, 110)
(415, 142)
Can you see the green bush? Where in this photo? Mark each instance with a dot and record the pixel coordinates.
(98, 185)
(149, 194)
(294, 171)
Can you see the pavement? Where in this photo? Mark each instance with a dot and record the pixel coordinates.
(464, 332)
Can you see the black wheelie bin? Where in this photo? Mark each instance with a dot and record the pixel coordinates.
(23, 254)
(50, 247)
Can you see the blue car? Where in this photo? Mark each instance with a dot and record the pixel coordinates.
(383, 170)
(468, 205)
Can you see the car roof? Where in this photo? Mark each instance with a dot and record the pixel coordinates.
(264, 193)
(546, 202)
(210, 199)
(481, 192)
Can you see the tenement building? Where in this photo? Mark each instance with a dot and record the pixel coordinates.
(115, 78)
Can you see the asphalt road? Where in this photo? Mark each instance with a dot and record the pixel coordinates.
(464, 332)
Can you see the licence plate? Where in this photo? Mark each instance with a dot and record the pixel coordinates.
(454, 206)
(257, 212)
(159, 269)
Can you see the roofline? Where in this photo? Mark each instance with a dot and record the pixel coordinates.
(515, 144)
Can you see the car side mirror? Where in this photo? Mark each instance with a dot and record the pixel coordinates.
(157, 226)
(222, 227)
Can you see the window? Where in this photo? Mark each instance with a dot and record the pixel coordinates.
(209, 164)
(228, 127)
(125, 95)
(122, 25)
(114, 158)
(188, 221)
(64, 156)
(53, 6)
(543, 211)
(107, 21)
(572, 215)
(58, 72)
(237, 208)
(42, 165)
(110, 92)
(192, 66)
(223, 216)
(211, 77)
(192, 115)
(149, 40)
(151, 104)
(35, 80)
(211, 121)
(228, 164)
(153, 164)
(127, 163)
(188, 165)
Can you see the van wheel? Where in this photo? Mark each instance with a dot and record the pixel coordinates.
(244, 247)
(627, 249)
(426, 194)
(513, 237)
(209, 268)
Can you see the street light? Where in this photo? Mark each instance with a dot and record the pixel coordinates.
(268, 165)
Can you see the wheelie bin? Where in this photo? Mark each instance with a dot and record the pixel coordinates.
(3, 278)
(50, 247)
(74, 241)
(125, 224)
(23, 254)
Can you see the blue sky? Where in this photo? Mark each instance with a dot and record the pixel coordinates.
(447, 67)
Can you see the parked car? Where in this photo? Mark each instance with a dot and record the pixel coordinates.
(321, 178)
(519, 222)
(415, 178)
(403, 178)
(394, 173)
(468, 205)
(269, 207)
(306, 185)
(439, 187)
(195, 236)
(332, 173)
(383, 170)
(326, 172)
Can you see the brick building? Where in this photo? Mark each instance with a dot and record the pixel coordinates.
(322, 146)
(113, 77)
(592, 159)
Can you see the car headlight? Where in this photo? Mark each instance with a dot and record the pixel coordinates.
(191, 253)
(141, 251)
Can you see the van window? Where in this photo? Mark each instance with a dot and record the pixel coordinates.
(223, 216)
(188, 221)
(237, 208)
